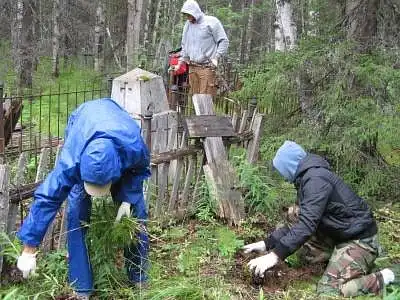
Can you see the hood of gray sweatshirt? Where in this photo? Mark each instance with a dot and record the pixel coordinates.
(203, 40)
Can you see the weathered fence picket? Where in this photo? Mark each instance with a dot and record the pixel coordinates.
(4, 203)
(19, 181)
(178, 162)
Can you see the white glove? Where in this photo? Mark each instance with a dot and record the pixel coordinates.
(27, 264)
(263, 263)
(123, 210)
(255, 247)
(214, 61)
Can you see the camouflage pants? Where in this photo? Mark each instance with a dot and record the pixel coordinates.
(349, 264)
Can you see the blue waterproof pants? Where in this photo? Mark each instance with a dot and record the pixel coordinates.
(80, 270)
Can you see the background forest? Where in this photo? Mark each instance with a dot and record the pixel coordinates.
(326, 73)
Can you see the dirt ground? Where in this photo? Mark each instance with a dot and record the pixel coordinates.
(11, 275)
(278, 278)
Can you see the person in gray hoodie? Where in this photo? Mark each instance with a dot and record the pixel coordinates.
(204, 42)
(329, 214)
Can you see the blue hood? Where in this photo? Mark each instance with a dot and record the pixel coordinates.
(100, 162)
(287, 159)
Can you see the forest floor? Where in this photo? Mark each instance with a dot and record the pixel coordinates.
(202, 260)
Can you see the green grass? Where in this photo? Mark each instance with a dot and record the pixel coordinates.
(188, 261)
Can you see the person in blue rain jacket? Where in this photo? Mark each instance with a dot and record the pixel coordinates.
(103, 151)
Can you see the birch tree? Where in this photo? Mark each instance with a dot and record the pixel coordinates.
(156, 23)
(249, 34)
(285, 26)
(99, 39)
(26, 47)
(135, 8)
(56, 38)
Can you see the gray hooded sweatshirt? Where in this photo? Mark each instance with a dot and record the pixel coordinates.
(203, 40)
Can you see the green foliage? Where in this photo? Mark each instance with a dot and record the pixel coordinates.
(394, 294)
(49, 280)
(389, 230)
(228, 243)
(263, 193)
(294, 261)
(206, 205)
(106, 240)
(10, 248)
(354, 121)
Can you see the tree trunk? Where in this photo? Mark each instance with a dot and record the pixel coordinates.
(312, 23)
(133, 32)
(26, 50)
(16, 28)
(279, 42)
(286, 23)
(242, 46)
(99, 40)
(146, 38)
(249, 34)
(362, 22)
(156, 24)
(56, 38)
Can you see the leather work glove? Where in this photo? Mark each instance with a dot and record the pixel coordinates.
(214, 61)
(123, 210)
(27, 264)
(263, 263)
(255, 247)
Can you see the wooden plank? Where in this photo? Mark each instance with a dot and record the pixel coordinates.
(42, 171)
(243, 122)
(172, 123)
(253, 117)
(188, 180)
(213, 146)
(152, 190)
(198, 176)
(163, 168)
(224, 189)
(174, 154)
(19, 180)
(4, 203)
(176, 181)
(213, 189)
(208, 126)
(219, 171)
(43, 166)
(62, 237)
(235, 121)
(254, 144)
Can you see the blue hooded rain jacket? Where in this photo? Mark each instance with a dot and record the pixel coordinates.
(102, 144)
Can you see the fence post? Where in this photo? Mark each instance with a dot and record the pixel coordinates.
(2, 137)
(147, 128)
(4, 203)
(252, 107)
(109, 85)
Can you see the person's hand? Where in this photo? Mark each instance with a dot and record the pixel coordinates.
(26, 262)
(254, 247)
(214, 61)
(263, 263)
(124, 210)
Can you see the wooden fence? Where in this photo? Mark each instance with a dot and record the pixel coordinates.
(177, 160)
